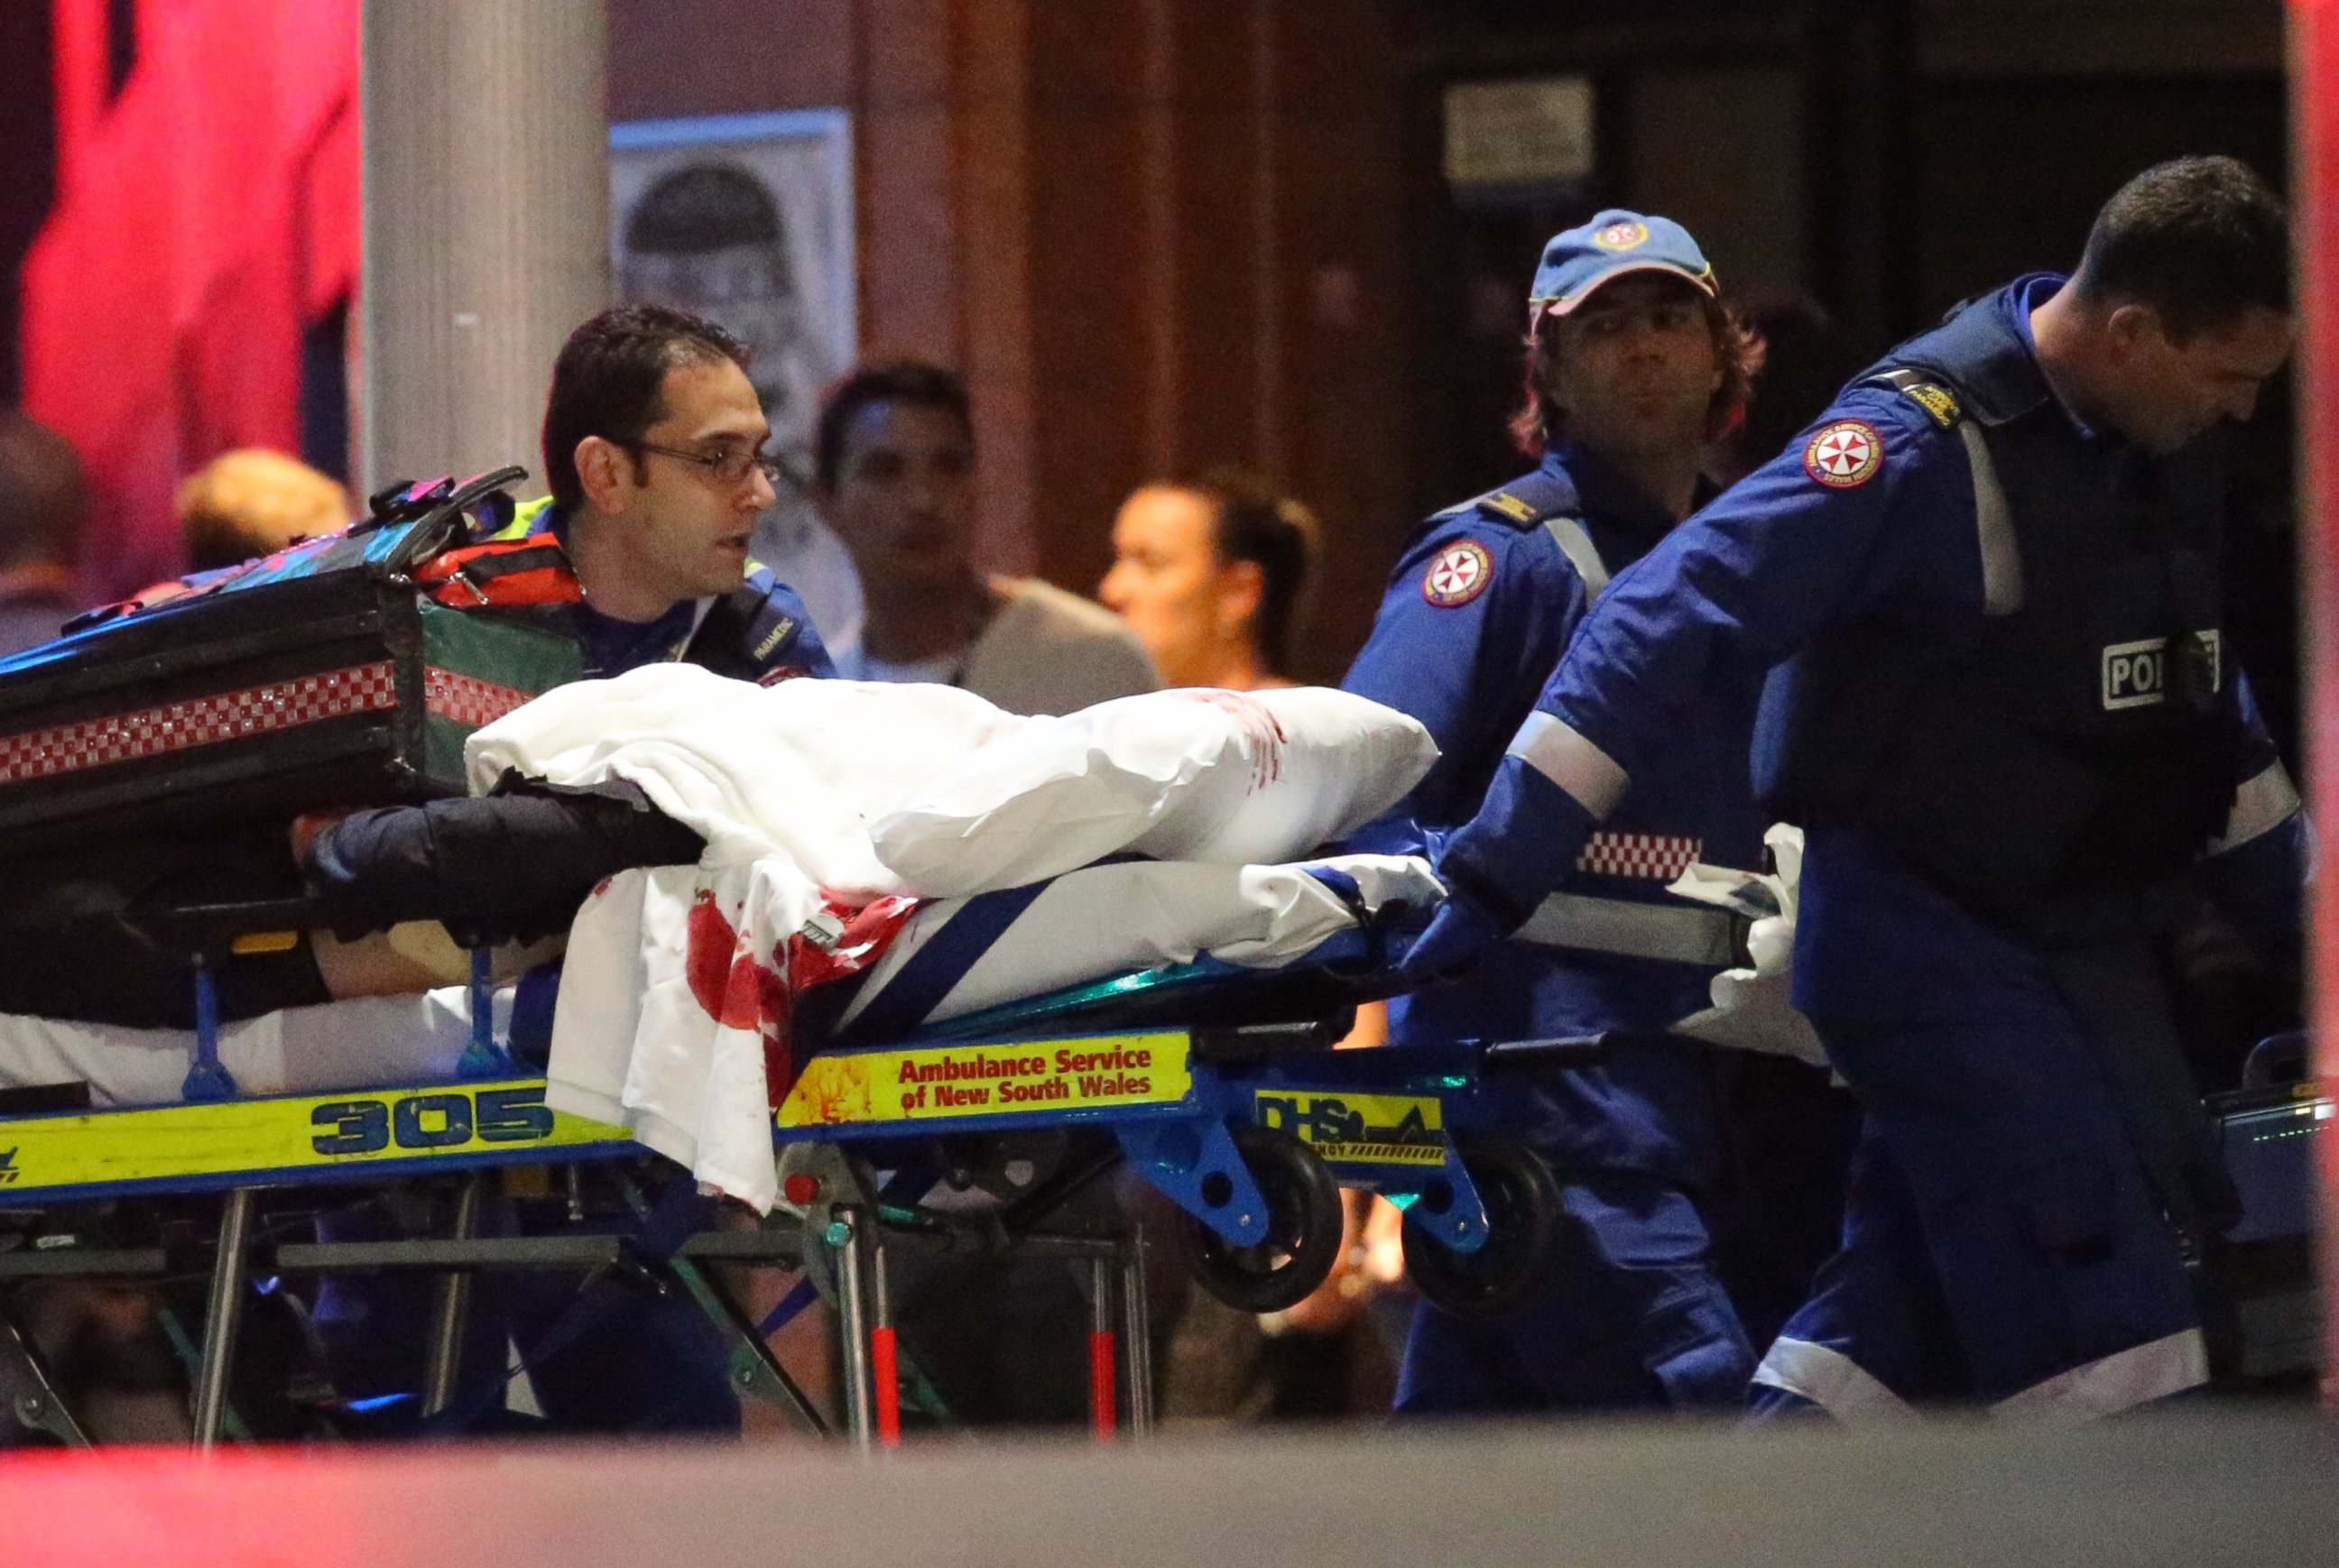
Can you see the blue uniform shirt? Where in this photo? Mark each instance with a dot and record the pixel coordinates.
(1476, 613)
(612, 647)
(1870, 513)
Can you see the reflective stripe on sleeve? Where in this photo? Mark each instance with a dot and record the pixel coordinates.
(2134, 1377)
(1675, 934)
(2266, 802)
(2001, 560)
(1586, 773)
(1582, 554)
(1831, 1380)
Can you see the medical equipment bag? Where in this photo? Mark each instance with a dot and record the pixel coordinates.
(318, 677)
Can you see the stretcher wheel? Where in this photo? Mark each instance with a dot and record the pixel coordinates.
(1524, 1221)
(1303, 1229)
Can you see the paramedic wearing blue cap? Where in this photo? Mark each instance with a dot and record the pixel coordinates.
(1633, 367)
(2004, 716)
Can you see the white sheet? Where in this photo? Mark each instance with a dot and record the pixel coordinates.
(676, 1002)
(1163, 912)
(356, 1044)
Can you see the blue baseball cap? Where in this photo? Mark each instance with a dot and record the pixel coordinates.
(1613, 243)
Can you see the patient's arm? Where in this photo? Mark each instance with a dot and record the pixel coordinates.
(517, 864)
(415, 955)
(74, 941)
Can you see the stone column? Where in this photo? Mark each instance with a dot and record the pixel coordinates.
(486, 194)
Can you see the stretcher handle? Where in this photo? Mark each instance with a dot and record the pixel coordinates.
(1255, 1041)
(210, 930)
(1543, 1055)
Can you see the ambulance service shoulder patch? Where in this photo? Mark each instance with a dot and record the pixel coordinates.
(1935, 401)
(1458, 574)
(1845, 454)
(1509, 506)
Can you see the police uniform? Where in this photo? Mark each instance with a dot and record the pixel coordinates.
(647, 1364)
(2005, 719)
(1483, 600)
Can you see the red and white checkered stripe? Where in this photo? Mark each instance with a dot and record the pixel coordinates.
(1646, 855)
(467, 699)
(197, 722)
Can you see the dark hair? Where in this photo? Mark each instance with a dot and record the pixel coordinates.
(920, 383)
(2199, 240)
(1251, 521)
(608, 378)
(1541, 421)
(44, 498)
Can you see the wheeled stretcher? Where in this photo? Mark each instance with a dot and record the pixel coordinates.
(351, 671)
(1210, 1081)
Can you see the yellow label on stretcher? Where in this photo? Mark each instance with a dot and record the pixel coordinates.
(1359, 1128)
(988, 1079)
(298, 1132)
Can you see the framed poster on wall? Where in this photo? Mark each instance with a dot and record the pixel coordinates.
(747, 220)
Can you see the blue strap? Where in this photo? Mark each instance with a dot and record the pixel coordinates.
(802, 1295)
(483, 1058)
(669, 1222)
(207, 1079)
(1344, 888)
(531, 1014)
(919, 986)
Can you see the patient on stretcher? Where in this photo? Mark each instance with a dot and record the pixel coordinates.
(669, 767)
(383, 886)
(747, 875)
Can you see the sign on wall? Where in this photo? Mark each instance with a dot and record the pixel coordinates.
(747, 220)
(1528, 134)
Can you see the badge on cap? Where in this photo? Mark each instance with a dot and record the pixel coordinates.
(1458, 574)
(1622, 236)
(1844, 455)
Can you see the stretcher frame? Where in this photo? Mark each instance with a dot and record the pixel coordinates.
(50, 1160)
(1383, 1120)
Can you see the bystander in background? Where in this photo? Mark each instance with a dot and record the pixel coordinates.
(1213, 576)
(254, 502)
(44, 504)
(893, 454)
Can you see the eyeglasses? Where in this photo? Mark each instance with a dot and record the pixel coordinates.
(729, 466)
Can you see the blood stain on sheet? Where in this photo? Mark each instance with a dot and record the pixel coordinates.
(738, 990)
(1262, 731)
(711, 963)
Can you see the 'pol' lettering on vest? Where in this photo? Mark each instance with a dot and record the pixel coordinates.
(2136, 675)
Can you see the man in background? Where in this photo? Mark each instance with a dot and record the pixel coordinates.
(894, 456)
(44, 504)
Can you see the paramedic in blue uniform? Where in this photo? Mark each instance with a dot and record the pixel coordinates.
(654, 452)
(653, 448)
(1633, 367)
(1988, 578)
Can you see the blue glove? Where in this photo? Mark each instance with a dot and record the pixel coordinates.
(1460, 933)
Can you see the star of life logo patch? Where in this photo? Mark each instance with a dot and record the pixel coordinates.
(1622, 236)
(1458, 574)
(1845, 454)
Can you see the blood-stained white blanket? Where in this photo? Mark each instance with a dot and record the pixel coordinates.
(832, 809)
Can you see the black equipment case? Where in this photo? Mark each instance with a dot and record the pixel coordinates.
(315, 678)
